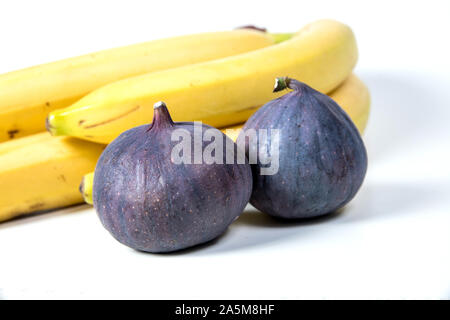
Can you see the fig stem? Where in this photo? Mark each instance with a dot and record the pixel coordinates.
(282, 83)
(161, 116)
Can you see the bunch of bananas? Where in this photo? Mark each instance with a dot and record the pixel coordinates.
(218, 78)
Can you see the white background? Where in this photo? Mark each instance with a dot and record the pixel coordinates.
(392, 241)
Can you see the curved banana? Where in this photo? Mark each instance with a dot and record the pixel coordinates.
(352, 95)
(28, 95)
(41, 172)
(322, 54)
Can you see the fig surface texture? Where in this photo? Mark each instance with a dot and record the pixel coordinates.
(149, 202)
(322, 158)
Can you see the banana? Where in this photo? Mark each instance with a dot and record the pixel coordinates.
(28, 95)
(41, 172)
(322, 54)
(352, 95)
(86, 187)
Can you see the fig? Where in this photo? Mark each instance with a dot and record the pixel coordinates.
(150, 200)
(321, 157)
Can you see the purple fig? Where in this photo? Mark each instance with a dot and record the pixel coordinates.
(152, 202)
(321, 157)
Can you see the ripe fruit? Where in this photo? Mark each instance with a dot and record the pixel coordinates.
(352, 95)
(321, 54)
(28, 95)
(150, 202)
(41, 172)
(322, 160)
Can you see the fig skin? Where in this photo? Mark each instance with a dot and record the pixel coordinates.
(322, 158)
(151, 204)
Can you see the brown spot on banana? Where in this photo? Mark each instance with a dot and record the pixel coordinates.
(250, 108)
(12, 133)
(112, 119)
(37, 205)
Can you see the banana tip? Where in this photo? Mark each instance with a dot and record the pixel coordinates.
(81, 188)
(49, 126)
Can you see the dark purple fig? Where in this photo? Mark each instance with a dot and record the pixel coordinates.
(150, 201)
(321, 157)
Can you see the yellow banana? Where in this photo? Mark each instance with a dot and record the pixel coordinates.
(87, 183)
(27, 96)
(41, 172)
(322, 54)
(352, 95)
